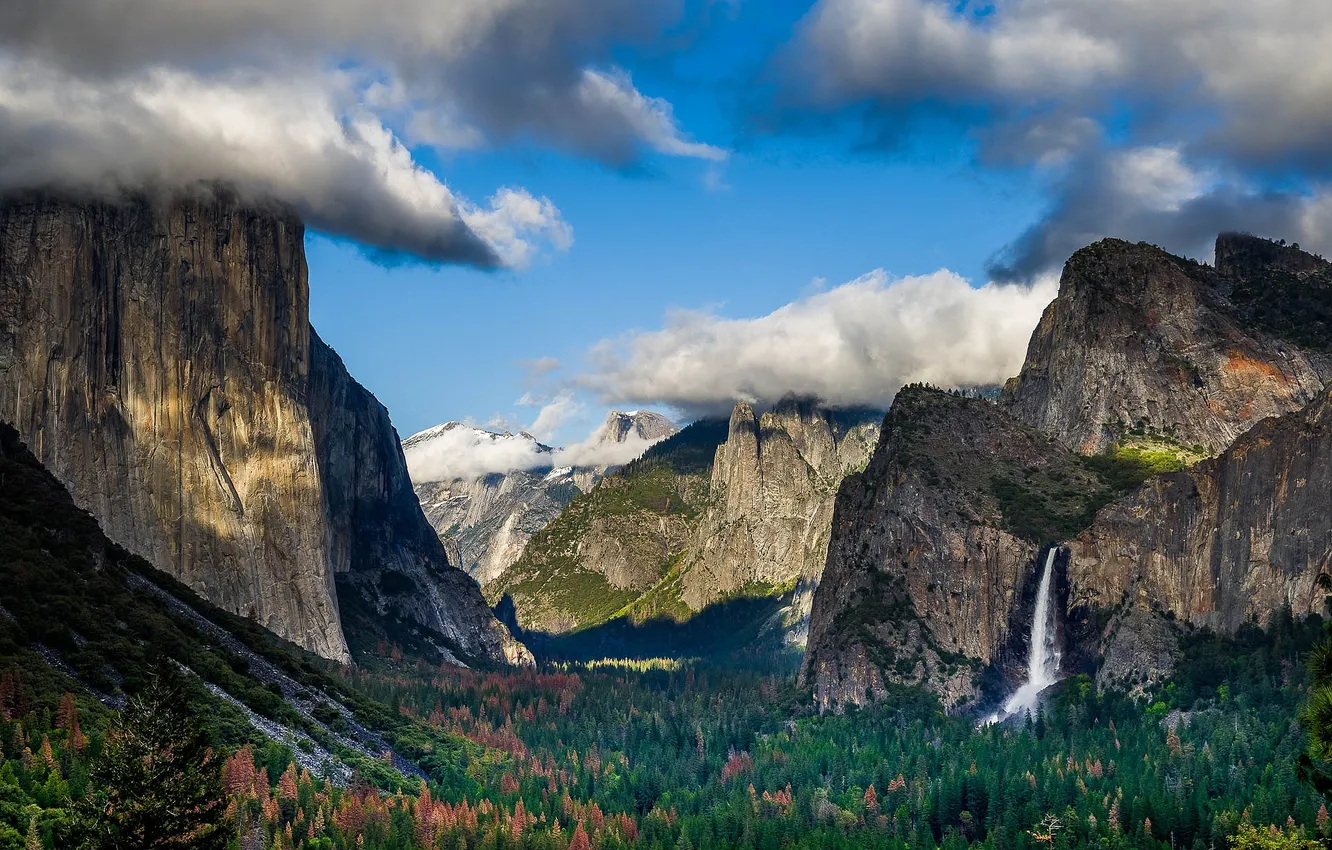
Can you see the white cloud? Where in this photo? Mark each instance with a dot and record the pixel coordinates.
(554, 414)
(595, 452)
(302, 141)
(1156, 178)
(312, 103)
(855, 344)
(457, 451)
(651, 118)
(463, 452)
(1262, 69)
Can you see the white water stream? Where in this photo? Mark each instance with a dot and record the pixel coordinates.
(1043, 655)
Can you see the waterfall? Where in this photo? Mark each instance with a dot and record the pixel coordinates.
(1043, 654)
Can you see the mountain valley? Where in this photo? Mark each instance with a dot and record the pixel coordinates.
(784, 628)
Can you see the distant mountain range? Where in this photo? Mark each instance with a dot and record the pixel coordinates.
(1168, 439)
(486, 493)
(720, 510)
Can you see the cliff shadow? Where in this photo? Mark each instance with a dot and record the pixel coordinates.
(745, 631)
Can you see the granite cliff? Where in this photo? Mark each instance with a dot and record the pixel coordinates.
(932, 549)
(1231, 539)
(770, 501)
(1143, 343)
(1144, 366)
(157, 357)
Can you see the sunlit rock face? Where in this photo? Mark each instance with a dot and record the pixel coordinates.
(1141, 339)
(157, 357)
(771, 498)
(1233, 538)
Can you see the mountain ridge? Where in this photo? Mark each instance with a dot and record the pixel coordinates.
(486, 517)
(884, 616)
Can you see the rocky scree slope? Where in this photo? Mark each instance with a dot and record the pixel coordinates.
(157, 357)
(78, 613)
(486, 520)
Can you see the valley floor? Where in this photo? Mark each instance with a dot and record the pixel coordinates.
(726, 753)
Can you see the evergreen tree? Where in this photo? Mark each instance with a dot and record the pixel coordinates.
(1317, 714)
(157, 784)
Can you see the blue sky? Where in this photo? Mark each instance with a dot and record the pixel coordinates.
(449, 342)
(682, 203)
(440, 343)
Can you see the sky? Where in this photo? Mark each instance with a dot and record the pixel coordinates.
(524, 213)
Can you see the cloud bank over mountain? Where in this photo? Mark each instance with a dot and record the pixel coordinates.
(853, 345)
(318, 104)
(456, 451)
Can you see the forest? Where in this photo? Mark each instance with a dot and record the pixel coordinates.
(726, 752)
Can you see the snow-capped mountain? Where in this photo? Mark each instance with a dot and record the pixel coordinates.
(486, 493)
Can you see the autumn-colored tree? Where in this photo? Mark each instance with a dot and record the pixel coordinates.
(67, 718)
(580, 841)
(14, 700)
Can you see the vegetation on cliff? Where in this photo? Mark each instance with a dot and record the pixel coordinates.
(641, 512)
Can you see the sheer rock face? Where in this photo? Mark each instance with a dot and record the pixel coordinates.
(380, 545)
(1138, 337)
(1234, 537)
(159, 361)
(918, 568)
(921, 579)
(771, 497)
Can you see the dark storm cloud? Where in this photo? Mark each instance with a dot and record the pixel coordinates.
(312, 101)
(1237, 96)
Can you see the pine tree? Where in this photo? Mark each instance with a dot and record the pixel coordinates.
(1317, 714)
(157, 784)
(34, 841)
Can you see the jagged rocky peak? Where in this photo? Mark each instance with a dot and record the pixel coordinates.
(771, 496)
(1141, 344)
(486, 493)
(157, 357)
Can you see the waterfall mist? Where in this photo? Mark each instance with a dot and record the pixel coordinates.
(1043, 653)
